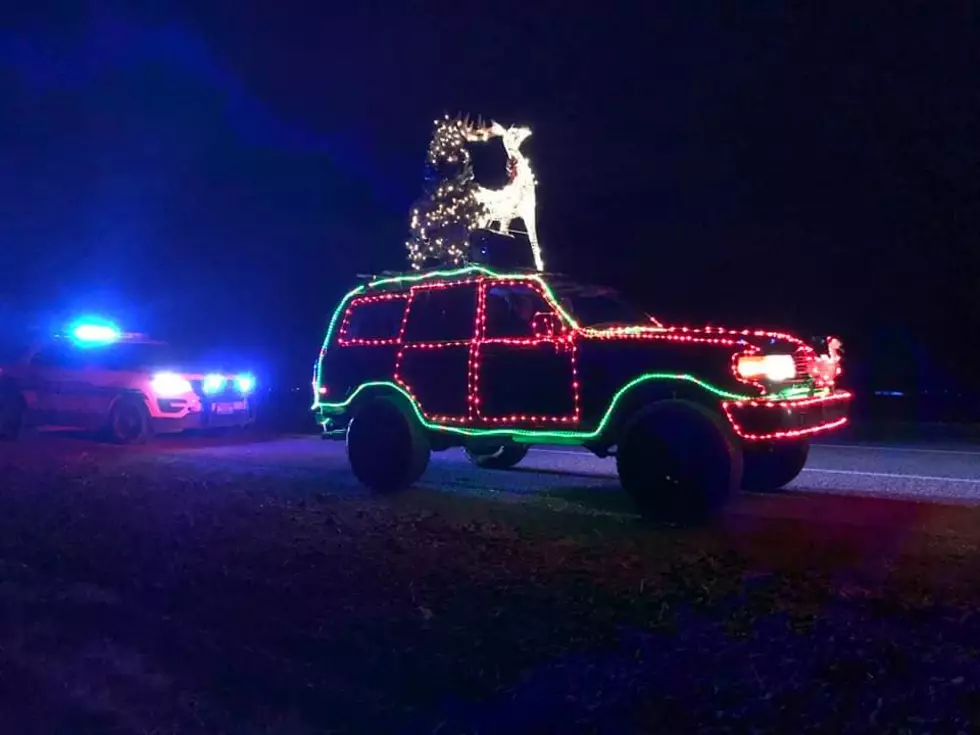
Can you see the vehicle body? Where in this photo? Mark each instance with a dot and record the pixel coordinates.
(97, 379)
(495, 362)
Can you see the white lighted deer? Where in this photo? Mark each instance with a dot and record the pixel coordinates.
(517, 199)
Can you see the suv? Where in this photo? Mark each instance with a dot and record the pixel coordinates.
(97, 378)
(495, 362)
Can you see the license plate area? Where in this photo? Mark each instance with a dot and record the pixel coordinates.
(223, 409)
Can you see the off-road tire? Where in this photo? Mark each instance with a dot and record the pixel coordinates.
(387, 449)
(500, 458)
(129, 421)
(679, 463)
(770, 466)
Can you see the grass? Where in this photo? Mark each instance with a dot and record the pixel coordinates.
(139, 593)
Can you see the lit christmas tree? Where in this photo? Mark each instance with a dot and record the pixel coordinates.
(443, 219)
(454, 205)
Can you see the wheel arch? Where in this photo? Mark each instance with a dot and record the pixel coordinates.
(645, 395)
(367, 393)
(127, 394)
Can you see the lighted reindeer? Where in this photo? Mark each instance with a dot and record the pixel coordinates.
(516, 200)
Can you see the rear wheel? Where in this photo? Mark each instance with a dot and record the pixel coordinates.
(771, 466)
(129, 421)
(11, 415)
(386, 448)
(497, 458)
(678, 462)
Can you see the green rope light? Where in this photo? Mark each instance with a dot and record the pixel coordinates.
(520, 435)
(450, 274)
(535, 435)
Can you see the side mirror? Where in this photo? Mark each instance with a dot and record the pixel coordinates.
(546, 325)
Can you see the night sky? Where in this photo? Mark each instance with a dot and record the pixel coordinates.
(218, 173)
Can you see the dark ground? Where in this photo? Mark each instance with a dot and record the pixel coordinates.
(165, 589)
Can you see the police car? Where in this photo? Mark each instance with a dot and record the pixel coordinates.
(95, 377)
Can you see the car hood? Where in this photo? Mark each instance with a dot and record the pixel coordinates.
(751, 339)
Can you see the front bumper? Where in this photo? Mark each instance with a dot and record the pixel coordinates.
(760, 420)
(202, 420)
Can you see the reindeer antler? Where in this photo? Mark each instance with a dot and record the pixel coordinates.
(476, 133)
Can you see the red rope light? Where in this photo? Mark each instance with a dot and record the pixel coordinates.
(568, 339)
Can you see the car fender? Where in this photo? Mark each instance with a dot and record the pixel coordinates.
(645, 394)
(368, 393)
(673, 410)
(127, 393)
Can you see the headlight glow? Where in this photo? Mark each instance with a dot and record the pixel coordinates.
(245, 383)
(170, 385)
(213, 383)
(768, 367)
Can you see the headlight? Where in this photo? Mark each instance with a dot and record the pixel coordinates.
(245, 383)
(213, 383)
(170, 385)
(768, 367)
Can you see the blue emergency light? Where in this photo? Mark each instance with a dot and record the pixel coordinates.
(94, 332)
(245, 383)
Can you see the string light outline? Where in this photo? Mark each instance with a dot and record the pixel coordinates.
(727, 407)
(724, 336)
(557, 435)
(716, 335)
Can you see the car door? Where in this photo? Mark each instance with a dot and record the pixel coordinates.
(525, 366)
(433, 363)
(53, 374)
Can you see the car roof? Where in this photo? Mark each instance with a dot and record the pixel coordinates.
(400, 280)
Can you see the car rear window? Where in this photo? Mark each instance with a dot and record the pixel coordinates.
(372, 319)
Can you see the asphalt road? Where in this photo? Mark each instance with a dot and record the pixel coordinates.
(555, 476)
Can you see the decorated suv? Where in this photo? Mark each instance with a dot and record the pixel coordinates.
(497, 361)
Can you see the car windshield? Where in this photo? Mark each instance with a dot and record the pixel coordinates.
(593, 306)
(134, 355)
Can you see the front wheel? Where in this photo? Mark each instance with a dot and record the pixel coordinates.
(771, 466)
(498, 458)
(678, 463)
(386, 448)
(129, 421)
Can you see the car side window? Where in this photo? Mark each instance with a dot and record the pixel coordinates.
(375, 319)
(442, 314)
(58, 356)
(510, 310)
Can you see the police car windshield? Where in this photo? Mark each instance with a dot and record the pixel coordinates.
(132, 356)
(136, 355)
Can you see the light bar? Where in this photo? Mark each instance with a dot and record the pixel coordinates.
(95, 333)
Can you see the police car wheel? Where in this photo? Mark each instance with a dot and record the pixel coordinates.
(11, 415)
(129, 422)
